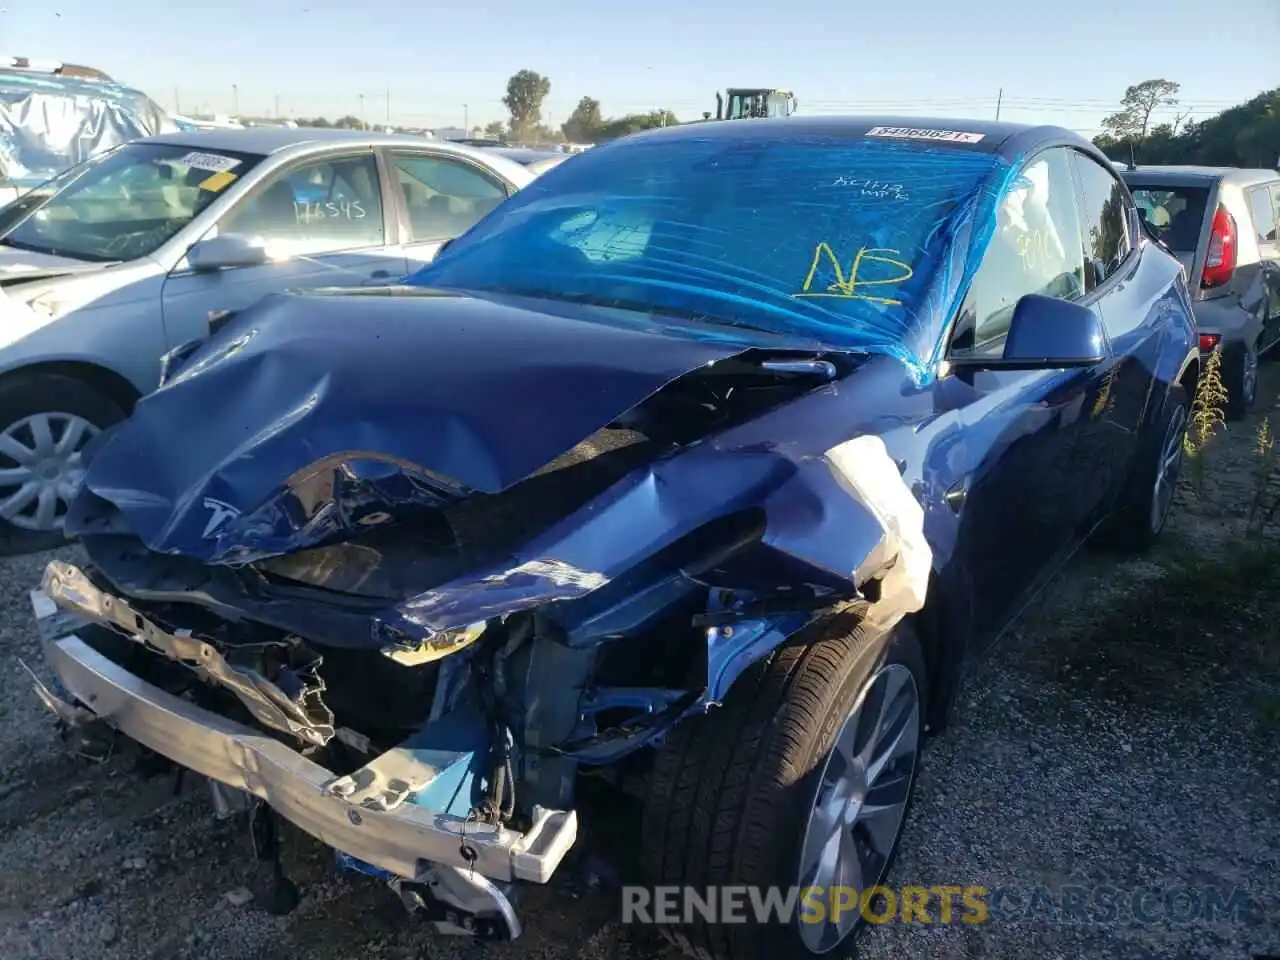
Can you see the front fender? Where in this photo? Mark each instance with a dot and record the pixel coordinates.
(124, 338)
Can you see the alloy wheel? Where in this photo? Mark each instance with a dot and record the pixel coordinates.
(1249, 384)
(41, 469)
(861, 800)
(1168, 469)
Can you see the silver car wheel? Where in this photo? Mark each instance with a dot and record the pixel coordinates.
(1249, 385)
(40, 469)
(1169, 469)
(861, 800)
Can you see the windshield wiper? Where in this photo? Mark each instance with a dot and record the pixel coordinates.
(56, 252)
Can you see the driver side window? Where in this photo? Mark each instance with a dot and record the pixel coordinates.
(444, 197)
(324, 206)
(1036, 248)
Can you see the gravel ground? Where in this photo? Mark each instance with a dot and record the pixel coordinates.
(1125, 737)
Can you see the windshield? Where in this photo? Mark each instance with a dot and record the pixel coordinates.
(832, 240)
(123, 204)
(1174, 213)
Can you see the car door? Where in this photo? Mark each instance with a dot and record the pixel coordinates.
(1137, 302)
(324, 221)
(443, 195)
(1264, 205)
(1016, 484)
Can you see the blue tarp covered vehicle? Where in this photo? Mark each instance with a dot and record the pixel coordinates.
(50, 121)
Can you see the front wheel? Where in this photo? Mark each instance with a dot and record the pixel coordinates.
(800, 784)
(45, 421)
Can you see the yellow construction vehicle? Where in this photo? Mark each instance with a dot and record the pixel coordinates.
(741, 103)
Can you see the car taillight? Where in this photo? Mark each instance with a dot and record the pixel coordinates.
(1209, 342)
(1220, 261)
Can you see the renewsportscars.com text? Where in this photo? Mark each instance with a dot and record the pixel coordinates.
(945, 903)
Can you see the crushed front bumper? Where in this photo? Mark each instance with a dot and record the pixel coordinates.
(404, 840)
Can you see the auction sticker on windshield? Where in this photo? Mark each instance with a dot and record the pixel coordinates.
(919, 133)
(212, 162)
(218, 181)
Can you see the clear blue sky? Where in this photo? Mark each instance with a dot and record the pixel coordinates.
(1057, 61)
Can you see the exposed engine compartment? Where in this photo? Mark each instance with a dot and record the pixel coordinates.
(301, 621)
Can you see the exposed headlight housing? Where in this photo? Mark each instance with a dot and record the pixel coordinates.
(436, 647)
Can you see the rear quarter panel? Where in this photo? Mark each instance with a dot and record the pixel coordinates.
(1161, 334)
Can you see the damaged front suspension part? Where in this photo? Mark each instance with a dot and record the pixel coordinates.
(300, 712)
(459, 902)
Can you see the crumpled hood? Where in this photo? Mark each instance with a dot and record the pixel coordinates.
(441, 394)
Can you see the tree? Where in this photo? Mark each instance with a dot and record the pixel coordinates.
(1137, 105)
(526, 91)
(583, 125)
(1246, 135)
(634, 123)
(495, 130)
(349, 123)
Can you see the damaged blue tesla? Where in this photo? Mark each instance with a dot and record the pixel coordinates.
(706, 461)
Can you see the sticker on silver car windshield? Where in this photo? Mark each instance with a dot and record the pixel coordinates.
(922, 133)
(212, 162)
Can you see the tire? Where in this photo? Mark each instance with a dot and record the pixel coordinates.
(1240, 372)
(1140, 519)
(731, 793)
(64, 401)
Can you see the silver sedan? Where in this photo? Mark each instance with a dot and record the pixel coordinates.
(115, 262)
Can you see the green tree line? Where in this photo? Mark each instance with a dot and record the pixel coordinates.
(1246, 135)
(526, 92)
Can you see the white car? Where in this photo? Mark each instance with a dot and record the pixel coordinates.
(121, 259)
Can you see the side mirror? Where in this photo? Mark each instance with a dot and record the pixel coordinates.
(218, 253)
(1046, 333)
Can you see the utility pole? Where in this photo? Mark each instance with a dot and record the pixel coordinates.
(177, 102)
(277, 106)
(388, 106)
(235, 100)
(466, 119)
(363, 125)
(999, 100)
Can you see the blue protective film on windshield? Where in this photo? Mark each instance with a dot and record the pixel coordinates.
(834, 241)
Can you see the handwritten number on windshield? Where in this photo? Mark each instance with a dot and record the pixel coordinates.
(849, 287)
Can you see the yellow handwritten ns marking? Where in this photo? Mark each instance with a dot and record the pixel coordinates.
(847, 287)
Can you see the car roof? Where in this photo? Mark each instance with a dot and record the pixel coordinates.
(525, 155)
(1008, 140)
(1189, 174)
(272, 140)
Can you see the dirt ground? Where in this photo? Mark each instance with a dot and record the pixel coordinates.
(1124, 738)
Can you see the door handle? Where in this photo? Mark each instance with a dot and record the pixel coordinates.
(954, 497)
(377, 278)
